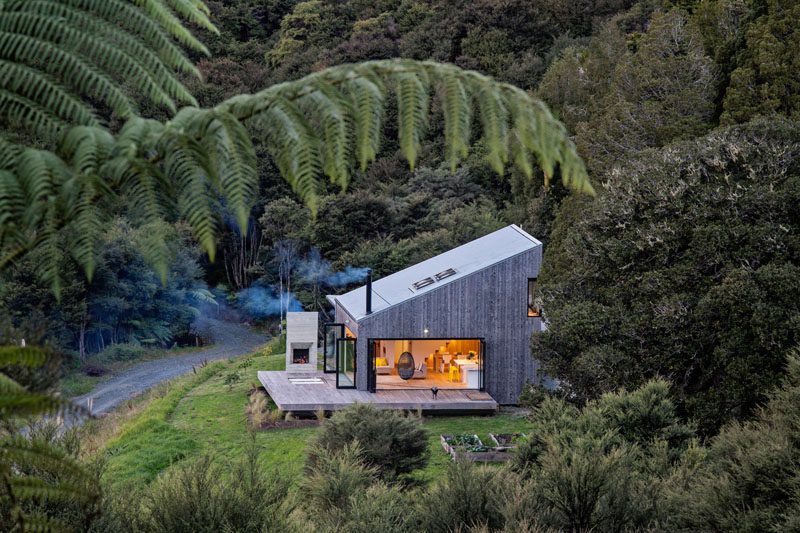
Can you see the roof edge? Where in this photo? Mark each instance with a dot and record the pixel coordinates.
(375, 312)
(526, 234)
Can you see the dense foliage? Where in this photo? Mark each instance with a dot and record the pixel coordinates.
(685, 267)
(390, 442)
(624, 462)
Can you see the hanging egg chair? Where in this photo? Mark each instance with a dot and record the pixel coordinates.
(405, 366)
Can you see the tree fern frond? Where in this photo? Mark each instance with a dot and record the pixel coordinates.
(36, 453)
(235, 163)
(494, 118)
(412, 112)
(31, 488)
(295, 149)
(511, 120)
(77, 42)
(367, 93)
(21, 111)
(28, 404)
(38, 523)
(67, 66)
(332, 113)
(457, 120)
(9, 386)
(324, 123)
(160, 12)
(39, 87)
(30, 356)
(195, 11)
(113, 15)
(184, 166)
(94, 48)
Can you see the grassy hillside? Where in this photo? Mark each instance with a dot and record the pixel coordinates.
(206, 412)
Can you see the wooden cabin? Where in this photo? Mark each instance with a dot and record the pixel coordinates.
(450, 333)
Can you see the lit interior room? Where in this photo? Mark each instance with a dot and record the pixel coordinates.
(425, 363)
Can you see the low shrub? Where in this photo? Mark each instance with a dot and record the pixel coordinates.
(335, 476)
(122, 352)
(201, 496)
(526, 454)
(465, 496)
(343, 494)
(391, 442)
(231, 378)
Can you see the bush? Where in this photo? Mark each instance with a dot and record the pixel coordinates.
(391, 442)
(343, 494)
(749, 481)
(335, 476)
(464, 497)
(202, 496)
(123, 352)
(231, 378)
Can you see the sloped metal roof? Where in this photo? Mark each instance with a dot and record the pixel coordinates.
(464, 260)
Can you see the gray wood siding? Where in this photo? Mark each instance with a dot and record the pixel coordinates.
(490, 304)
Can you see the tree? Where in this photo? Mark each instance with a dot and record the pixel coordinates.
(765, 78)
(685, 267)
(662, 92)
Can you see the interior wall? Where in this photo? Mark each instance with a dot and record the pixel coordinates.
(422, 349)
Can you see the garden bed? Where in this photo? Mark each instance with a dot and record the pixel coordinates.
(507, 440)
(470, 447)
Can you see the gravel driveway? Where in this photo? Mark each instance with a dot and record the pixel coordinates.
(232, 340)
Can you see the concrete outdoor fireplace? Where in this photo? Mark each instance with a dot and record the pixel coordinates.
(301, 342)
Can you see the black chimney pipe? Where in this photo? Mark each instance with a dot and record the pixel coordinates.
(369, 291)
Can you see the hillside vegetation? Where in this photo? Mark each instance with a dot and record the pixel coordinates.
(651, 145)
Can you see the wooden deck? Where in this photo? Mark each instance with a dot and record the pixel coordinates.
(303, 395)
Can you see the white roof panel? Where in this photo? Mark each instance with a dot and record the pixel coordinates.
(465, 260)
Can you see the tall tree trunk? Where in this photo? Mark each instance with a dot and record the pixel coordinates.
(82, 341)
(280, 311)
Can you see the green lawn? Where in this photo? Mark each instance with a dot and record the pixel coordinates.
(201, 412)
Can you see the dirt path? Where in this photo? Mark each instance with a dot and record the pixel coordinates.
(232, 340)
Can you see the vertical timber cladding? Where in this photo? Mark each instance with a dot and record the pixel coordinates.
(489, 304)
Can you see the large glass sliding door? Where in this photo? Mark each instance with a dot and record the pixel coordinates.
(346, 363)
(424, 363)
(331, 333)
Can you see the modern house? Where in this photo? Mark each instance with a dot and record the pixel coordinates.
(459, 323)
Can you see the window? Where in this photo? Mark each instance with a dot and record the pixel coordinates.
(533, 308)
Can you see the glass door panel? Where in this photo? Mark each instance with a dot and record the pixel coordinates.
(346, 363)
(330, 334)
(483, 364)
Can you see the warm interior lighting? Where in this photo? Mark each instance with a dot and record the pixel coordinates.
(533, 309)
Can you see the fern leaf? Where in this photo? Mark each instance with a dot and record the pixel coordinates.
(30, 356)
(160, 12)
(412, 112)
(457, 119)
(367, 94)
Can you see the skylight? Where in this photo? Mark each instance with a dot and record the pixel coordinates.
(444, 274)
(422, 283)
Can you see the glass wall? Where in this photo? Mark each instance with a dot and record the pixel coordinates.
(346, 363)
(442, 363)
(330, 334)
